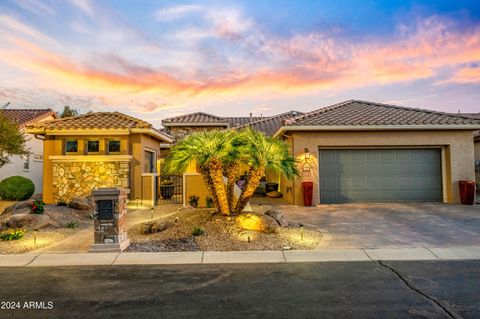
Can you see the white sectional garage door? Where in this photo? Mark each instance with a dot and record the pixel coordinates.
(380, 175)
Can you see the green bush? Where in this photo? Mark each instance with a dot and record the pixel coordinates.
(72, 225)
(37, 207)
(197, 231)
(209, 201)
(16, 188)
(12, 234)
(193, 200)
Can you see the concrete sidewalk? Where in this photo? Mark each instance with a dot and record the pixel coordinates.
(220, 257)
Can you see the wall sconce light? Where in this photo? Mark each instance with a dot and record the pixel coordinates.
(307, 154)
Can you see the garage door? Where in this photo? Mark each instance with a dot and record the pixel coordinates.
(380, 175)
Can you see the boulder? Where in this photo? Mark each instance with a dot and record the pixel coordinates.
(274, 194)
(261, 223)
(278, 216)
(81, 203)
(18, 206)
(29, 221)
(156, 226)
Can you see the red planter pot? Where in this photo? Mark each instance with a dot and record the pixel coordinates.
(307, 193)
(467, 192)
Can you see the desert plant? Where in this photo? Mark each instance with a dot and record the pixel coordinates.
(16, 188)
(219, 153)
(262, 153)
(61, 202)
(38, 207)
(209, 201)
(71, 224)
(209, 150)
(12, 234)
(193, 200)
(197, 231)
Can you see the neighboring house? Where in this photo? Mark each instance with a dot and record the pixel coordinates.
(358, 151)
(30, 165)
(476, 141)
(180, 126)
(100, 150)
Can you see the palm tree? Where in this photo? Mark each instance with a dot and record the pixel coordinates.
(208, 150)
(261, 154)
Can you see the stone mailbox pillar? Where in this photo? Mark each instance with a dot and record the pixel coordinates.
(110, 233)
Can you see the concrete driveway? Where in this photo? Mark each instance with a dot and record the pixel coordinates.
(391, 225)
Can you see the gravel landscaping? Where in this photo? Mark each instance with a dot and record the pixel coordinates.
(220, 233)
(55, 224)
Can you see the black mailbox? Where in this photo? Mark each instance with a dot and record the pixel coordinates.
(105, 209)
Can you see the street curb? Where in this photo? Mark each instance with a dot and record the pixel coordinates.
(242, 257)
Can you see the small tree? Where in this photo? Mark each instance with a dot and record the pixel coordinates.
(12, 140)
(223, 153)
(68, 112)
(261, 153)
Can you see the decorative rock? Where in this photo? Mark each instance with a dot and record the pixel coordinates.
(81, 203)
(31, 221)
(278, 216)
(156, 226)
(17, 206)
(274, 194)
(261, 223)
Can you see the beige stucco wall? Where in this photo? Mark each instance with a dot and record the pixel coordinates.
(457, 155)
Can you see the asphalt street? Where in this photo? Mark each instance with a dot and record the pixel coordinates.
(420, 289)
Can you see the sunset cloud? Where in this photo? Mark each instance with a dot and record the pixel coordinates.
(209, 54)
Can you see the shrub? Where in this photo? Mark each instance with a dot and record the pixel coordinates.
(12, 234)
(197, 231)
(37, 207)
(193, 200)
(72, 225)
(209, 201)
(62, 203)
(16, 188)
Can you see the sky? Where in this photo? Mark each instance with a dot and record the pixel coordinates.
(155, 59)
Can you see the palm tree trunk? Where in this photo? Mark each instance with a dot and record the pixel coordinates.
(249, 188)
(216, 173)
(231, 171)
(207, 179)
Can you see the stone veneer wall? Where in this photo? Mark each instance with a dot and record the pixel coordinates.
(78, 179)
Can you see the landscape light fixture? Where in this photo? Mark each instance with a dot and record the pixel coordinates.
(151, 213)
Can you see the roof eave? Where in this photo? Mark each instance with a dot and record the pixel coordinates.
(284, 129)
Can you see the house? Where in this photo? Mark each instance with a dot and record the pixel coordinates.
(30, 165)
(103, 149)
(358, 151)
(180, 126)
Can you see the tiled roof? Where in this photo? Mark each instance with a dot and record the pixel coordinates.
(98, 120)
(363, 113)
(472, 115)
(202, 118)
(27, 116)
(269, 125)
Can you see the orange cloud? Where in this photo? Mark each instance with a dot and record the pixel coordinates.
(298, 64)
